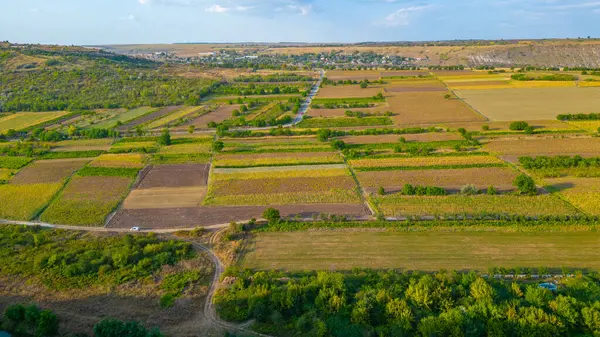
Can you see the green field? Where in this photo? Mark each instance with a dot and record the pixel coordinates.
(123, 118)
(23, 120)
(426, 251)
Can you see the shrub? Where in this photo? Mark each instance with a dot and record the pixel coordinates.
(218, 146)
(525, 184)
(165, 138)
(485, 127)
(111, 327)
(408, 189)
(518, 126)
(492, 190)
(381, 191)
(469, 190)
(529, 130)
(272, 215)
(338, 144)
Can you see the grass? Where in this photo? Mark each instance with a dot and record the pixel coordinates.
(133, 146)
(339, 122)
(125, 160)
(89, 171)
(87, 200)
(24, 120)
(424, 162)
(428, 251)
(531, 104)
(196, 158)
(397, 205)
(23, 202)
(175, 116)
(124, 118)
(581, 192)
(14, 163)
(5, 174)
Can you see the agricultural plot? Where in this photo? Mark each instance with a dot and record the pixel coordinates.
(186, 148)
(14, 163)
(420, 251)
(123, 118)
(415, 86)
(531, 104)
(148, 117)
(344, 75)
(88, 120)
(545, 146)
(48, 171)
(135, 146)
(124, 160)
(275, 145)
(82, 145)
(343, 122)
(348, 91)
(378, 108)
(590, 126)
(174, 176)
(403, 206)
(24, 120)
(263, 188)
(165, 197)
(177, 115)
(429, 108)
(394, 139)
(87, 200)
(219, 115)
(276, 159)
(583, 193)
(5, 174)
(418, 163)
(24, 202)
(450, 179)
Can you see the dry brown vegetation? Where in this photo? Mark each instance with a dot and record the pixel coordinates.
(546, 146)
(183, 175)
(348, 91)
(165, 197)
(421, 137)
(48, 171)
(219, 115)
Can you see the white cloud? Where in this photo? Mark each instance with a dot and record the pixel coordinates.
(301, 9)
(220, 9)
(402, 16)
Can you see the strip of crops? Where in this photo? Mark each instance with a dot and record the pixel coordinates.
(14, 163)
(432, 167)
(344, 122)
(108, 172)
(72, 155)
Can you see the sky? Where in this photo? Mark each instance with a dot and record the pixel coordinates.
(93, 22)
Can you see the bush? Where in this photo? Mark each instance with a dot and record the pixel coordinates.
(529, 130)
(338, 144)
(111, 327)
(525, 184)
(218, 146)
(469, 190)
(30, 320)
(485, 127)
(381, 191)
(423, 190)
(272, 215)
(165, 138)
(518, 126)
(492, 190)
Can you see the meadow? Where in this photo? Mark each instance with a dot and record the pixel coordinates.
(420, 251)
(123, 118)
(24, 120)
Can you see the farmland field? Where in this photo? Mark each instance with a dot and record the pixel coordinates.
(397, 205)
(87, 201)
(314, 122)
(148, 117)
(429, 107)
(418, 137)
(133, 160)
(142, 146)
(531, 104)
(581, 192)
(219, 115)
(348, 91)
(82, 145)
(165, 121)
(337, 75)
(5, 174)
(450, 179)
(23, 202)
(188, 148)
(184, 175)
(276, 159)
(123, 118)
(335, 250)
(548, 146)
(23, 120)
(165, 197)
(379, 108)
(417, 162)
(48, 171)
(590, 126)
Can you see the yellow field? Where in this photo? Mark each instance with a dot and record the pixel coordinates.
(164, 197)
(277, 159)
(591, 126)
(532, 103)
(189, 148)
(132, 160)
(425, 161)
(5, 174)
(82, 145)
(548, 146)
(581, 192)
(23, 120)
(23, 202)
(173, 117)
(428, 108)
(307, 171)
(332, 196)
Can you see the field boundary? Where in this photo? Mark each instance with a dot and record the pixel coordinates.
(461, 99)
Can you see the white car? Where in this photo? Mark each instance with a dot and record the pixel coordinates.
(134, 229)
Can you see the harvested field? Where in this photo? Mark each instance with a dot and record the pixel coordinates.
(420, 251)
(48, 171)
(87, 201)
(343, 75)
(160, 197)
(123, 118)
(208, 216)
(549, 146)
(429, 107)
(23, 120)
(183, 175)
(406, 73)
(147, 118)
(425, 161)
(378, 109)
(531, 104)
(82, 145)
(173, 117)
(400, 206)
(450, 179)
(132, 160)
(482, 84)
(419, 137)
(584, 193)
(219, 115)
(188, 148)
(23, 202)
(417, 89)
(348, 91)
(226, 186)
(281, 172)
(276, 159)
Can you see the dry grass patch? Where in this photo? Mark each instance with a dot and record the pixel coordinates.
(420, 251)
(131, 160)
(429, 107)
(450, 179)
(548, 146)
(531, 104)
(48, 171)
(161, 197)
(401, 206)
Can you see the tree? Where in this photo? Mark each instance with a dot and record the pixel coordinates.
(47, 324)
(381, 190)
(469, 190)
(218, 146)
(243, 108)
(482, 291)
(518, 126)
(191, 129)
(165, 138)
(338, 144)
(323, 135)
(235, 113)
(447, 96)
(529, 130)
(272, 215)
(485, 127)
(525, 184)
(492, 190)
(364, 84)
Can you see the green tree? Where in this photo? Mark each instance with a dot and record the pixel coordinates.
(47, 324)
(323, 135)
(165, 138)
(272, 215)
(381, 190)
(218, 146)
(191, 129)
(525, 184)
(482, 291)
(338, 145)
(492, 190)
(518, 126)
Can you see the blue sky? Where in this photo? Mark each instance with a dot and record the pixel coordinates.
(166, 21)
